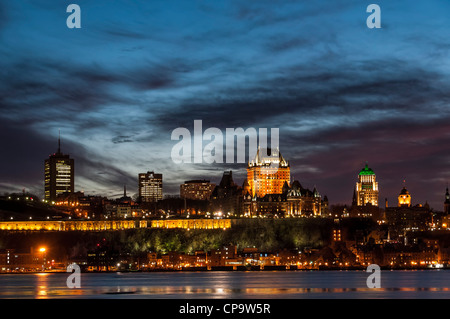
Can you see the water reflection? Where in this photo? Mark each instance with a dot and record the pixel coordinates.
(263, 292)
(349, 284)
(42, 285)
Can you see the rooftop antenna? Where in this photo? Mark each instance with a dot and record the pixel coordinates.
(59, 141)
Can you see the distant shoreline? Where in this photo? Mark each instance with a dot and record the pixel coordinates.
(225, 269)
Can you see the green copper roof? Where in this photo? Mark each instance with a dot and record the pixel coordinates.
(366, 171)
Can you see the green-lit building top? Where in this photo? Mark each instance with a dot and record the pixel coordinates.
(366, 171)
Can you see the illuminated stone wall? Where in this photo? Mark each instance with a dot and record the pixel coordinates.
(72, 225)
(87, 225)
(32, 225)
(192, 223)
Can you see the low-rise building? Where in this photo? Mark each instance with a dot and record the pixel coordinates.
(13, 261)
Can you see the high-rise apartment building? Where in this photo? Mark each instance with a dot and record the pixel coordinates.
(59, 175)
(367, 188)
(150, 187)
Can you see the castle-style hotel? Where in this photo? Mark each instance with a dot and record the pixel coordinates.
(267, 191)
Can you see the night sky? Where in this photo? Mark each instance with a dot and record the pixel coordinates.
(340, 93)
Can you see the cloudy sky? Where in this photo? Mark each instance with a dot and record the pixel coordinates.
(340, 93)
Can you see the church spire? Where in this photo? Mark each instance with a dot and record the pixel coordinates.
(447, 201)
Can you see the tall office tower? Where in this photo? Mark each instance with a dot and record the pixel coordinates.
(196, 189)
(150, 187)
(59, 174)
(367, 188)
(267, 173)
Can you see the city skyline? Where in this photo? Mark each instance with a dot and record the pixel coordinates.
(366, 172)
(118, 87)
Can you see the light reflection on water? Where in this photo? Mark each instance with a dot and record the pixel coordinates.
(238, 285)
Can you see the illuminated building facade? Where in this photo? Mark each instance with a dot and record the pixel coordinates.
(404, 198)
(11, 260)
(59, 175)
(293, 201)
(337, 234)
(408, 218)
(150, 187)
(268, 189)
(267, 173)
(219, 256)
(304, 202)
(196, 189)
(367, 188)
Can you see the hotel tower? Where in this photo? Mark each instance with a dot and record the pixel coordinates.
(267, 173)
(367, 188)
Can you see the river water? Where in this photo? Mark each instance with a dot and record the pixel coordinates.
(230, 284)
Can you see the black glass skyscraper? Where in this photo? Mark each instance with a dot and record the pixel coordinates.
(59, 175)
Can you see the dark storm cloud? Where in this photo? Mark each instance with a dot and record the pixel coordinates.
(122, 139)
(395, 88)
(126, 34)
(99, 172)
(44, 86)
(33, 91)
(281, 42)
(76, 82)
